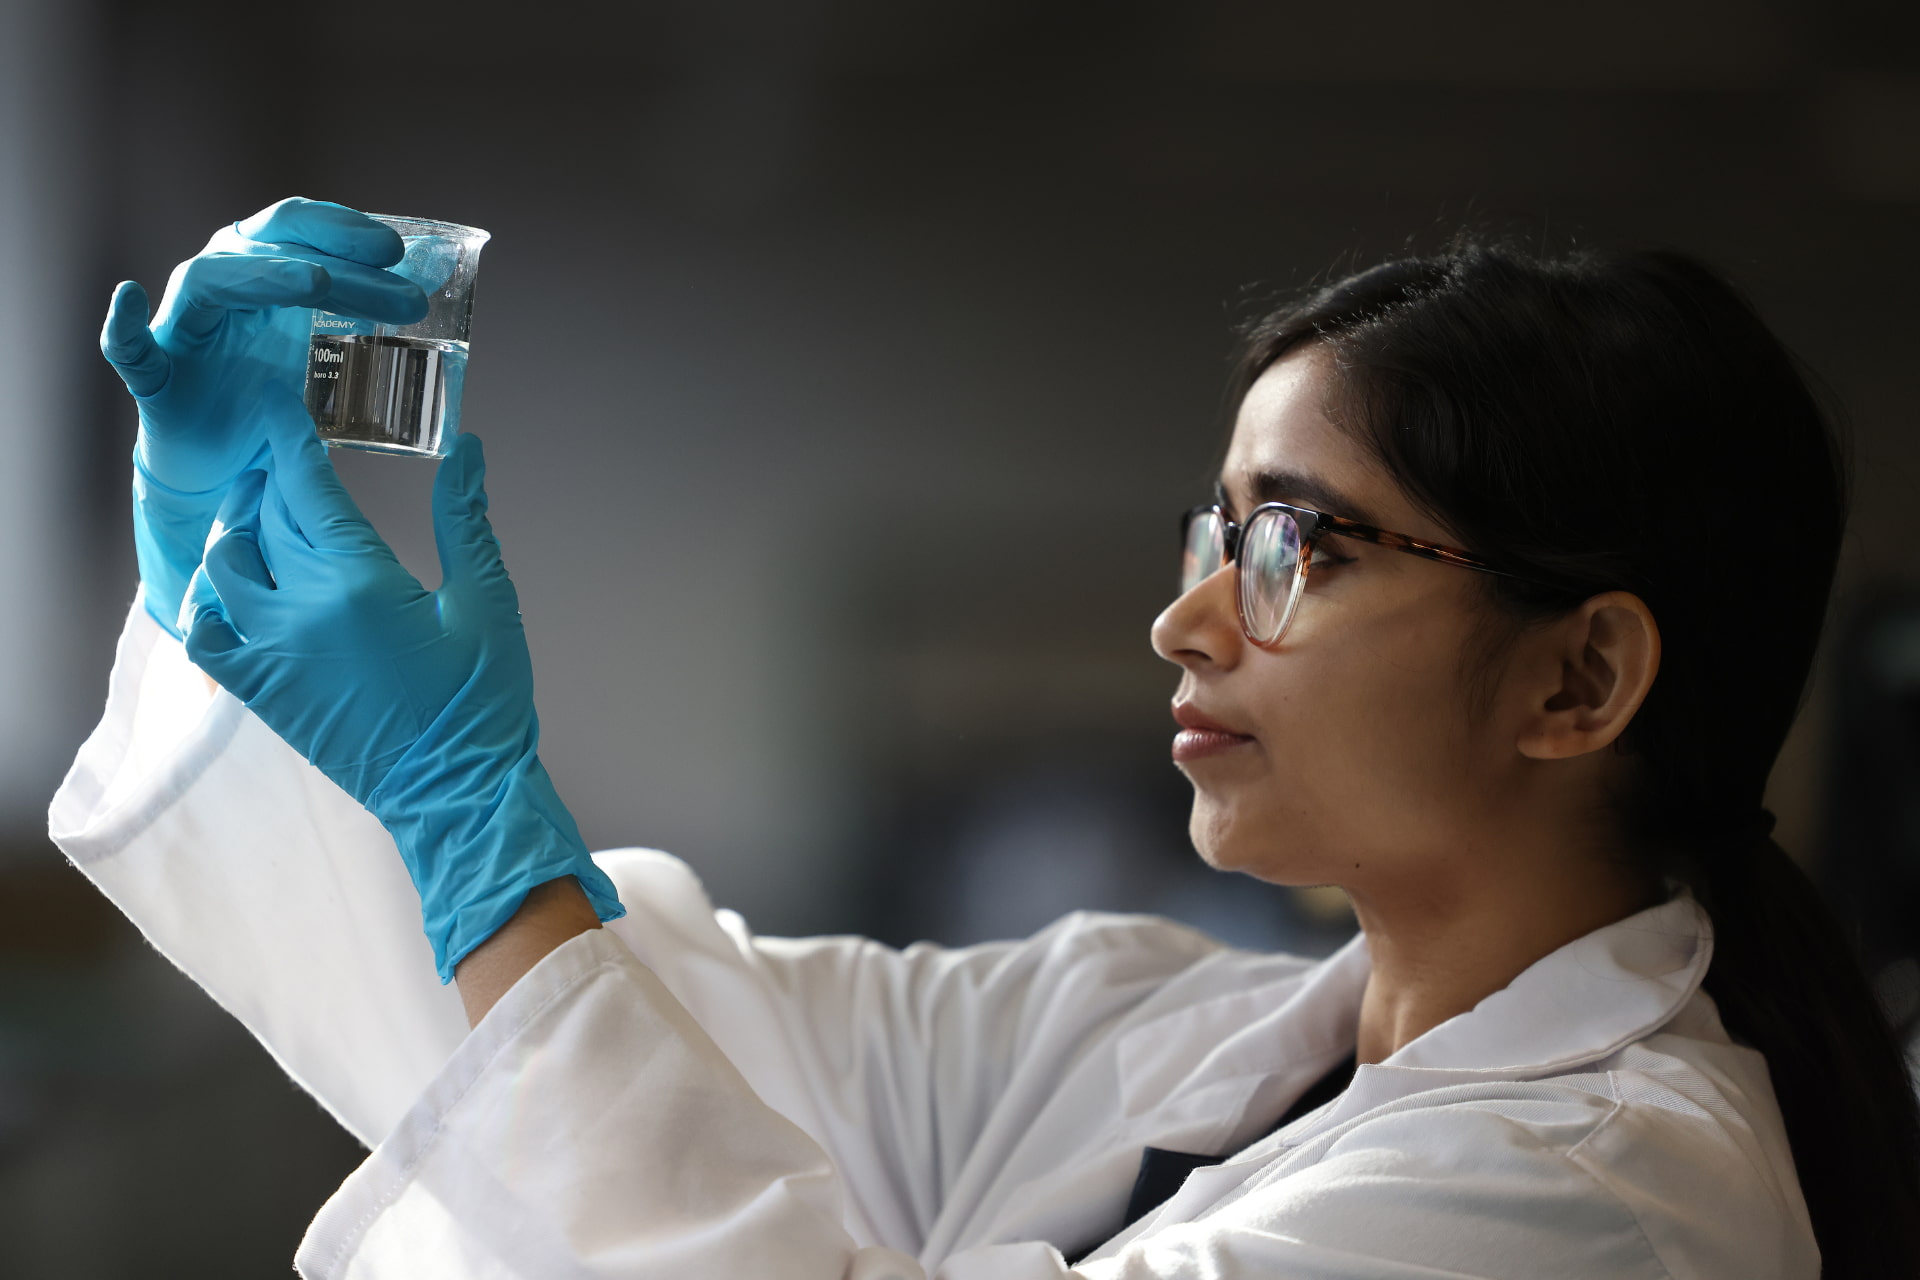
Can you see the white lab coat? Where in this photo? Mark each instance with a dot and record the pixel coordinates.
(674, 1097)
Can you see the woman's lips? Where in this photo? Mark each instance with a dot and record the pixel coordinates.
(1198, 744)
(1201, 735)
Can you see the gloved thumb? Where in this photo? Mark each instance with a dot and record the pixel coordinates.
(469, 553)
(240, 508)
(231, 583)
(238, 518)
(322, 509)
(127, 342)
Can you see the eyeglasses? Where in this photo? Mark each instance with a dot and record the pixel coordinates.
(1274, 550)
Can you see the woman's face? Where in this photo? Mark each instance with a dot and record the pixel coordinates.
(1359, 753)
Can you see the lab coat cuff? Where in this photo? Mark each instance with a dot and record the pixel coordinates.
(160, 731)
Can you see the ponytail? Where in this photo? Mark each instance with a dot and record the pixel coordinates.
(1788, 983)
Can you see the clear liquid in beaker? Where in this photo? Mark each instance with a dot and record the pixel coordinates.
(386, 394)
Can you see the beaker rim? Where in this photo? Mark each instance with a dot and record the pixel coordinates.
(457, 230)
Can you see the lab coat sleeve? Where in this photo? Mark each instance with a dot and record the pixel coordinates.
(590, 1128)
(262, 880)
(896, 1062)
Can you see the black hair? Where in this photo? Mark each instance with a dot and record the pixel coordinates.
(1628, 422)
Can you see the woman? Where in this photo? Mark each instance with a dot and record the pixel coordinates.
(1502, 611)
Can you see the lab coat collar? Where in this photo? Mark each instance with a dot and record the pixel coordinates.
(1579, 1004)
(1293, 1026)
(1573, 1007)
(1271, 1040)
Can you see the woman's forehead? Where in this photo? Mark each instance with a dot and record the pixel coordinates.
(1283, 431)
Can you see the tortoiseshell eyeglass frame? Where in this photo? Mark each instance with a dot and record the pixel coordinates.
(1312, 525)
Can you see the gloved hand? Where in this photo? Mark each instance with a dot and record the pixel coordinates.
(418, 703)
(226, 353)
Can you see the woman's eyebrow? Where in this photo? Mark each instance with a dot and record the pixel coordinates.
(1299, 489)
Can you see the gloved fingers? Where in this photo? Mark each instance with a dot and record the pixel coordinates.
(217, 649)
(214, 283)
(331, 228)
(355, 290)
(238, 574)
(320, 508)
(206, 287)
(351, 247)
(209, 635)
(469, 552)
(127, 342)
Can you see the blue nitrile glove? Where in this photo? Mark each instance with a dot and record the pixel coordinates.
(227, 352)
(418, 703)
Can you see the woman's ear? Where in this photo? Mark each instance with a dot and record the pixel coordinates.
(1595, 666)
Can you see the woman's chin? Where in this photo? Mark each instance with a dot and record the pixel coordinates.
(1227, 841)
(1217, 837)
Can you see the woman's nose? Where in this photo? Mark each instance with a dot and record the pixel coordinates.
(1201, 628)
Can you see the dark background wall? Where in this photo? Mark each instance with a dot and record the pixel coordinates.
(842, 367)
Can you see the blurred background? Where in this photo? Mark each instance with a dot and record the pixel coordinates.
(843, 367)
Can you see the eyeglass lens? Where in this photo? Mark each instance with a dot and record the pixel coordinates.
(1269, 565)
(1203, 550)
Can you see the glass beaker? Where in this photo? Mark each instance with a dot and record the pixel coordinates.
(395, 388)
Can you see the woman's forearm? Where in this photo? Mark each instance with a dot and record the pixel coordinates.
(552, 914)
